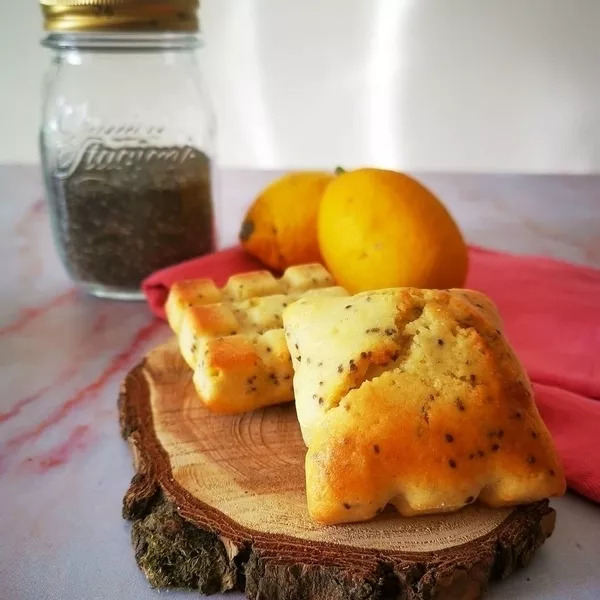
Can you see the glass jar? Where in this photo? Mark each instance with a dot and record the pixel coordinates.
(126, 140)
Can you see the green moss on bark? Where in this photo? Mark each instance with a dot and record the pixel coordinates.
(173, 553)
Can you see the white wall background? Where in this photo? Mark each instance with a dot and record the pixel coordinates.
(486, 85)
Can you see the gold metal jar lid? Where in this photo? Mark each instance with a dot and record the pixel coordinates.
(120, 15)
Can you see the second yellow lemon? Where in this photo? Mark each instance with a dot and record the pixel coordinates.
(379, 229)
(280, 228)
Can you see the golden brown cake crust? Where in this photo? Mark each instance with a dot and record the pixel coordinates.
(232, 337)
(416, 399)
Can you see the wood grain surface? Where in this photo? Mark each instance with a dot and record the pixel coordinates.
(218, 502)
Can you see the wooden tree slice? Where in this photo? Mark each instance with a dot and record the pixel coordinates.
(218, 503)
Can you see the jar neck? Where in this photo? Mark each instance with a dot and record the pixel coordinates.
(95, 41)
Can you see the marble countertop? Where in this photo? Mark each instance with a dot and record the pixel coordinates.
(63, 465)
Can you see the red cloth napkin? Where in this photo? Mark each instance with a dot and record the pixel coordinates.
(551, 312)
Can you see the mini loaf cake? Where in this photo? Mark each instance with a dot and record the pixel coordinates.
(414, 398)
(233, 338)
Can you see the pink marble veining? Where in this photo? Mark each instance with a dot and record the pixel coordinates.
(63, 465)
(28, 314)
(78, 441)
(88, 393)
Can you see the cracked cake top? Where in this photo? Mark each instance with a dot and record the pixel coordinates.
(414, 397)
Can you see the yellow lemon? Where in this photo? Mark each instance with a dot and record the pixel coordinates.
(380, 229)
(280, 227)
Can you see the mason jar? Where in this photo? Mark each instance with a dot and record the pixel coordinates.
(126, 140)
